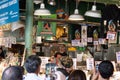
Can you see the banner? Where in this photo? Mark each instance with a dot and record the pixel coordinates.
(9, 11)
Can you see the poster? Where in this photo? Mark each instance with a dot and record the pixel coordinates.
(46, 28)
(84, 35)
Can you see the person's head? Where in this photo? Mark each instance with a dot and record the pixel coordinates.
(32, 64)
(66, 61)
(62, 48)
(51, 59)
(58, 55)
(34, 49)
(77, 75)
(12, 73)
(106, 69)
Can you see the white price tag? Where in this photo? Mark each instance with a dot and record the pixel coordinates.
(118, 57)
(90, 63)
(75, 42)
(111, 35)
(90, 39)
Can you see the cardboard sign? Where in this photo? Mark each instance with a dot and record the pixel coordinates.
(75, 42)
(95, 42)
(89, 39)
(90, 63)
(111, 35)
(118, 57)
(102, 41)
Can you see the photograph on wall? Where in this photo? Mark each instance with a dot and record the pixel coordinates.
(77, 34)
(46, 26)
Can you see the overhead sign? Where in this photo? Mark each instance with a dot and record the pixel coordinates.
(9, 11)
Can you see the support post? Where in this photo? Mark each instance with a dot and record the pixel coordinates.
(29, 26)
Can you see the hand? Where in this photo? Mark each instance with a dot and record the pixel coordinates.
(95, 75)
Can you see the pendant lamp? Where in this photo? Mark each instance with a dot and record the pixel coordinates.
(93, 12)
(52, 2)
(76, 15)
(42, 11)
(118, 5)
(17, 25)
(37, 1)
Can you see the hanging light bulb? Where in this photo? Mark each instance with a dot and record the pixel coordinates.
(52, 2)
(93, 12)
(76, 15)
(42, 11)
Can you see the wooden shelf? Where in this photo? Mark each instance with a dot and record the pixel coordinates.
(64, 21)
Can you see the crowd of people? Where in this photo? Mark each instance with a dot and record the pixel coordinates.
(63, 71)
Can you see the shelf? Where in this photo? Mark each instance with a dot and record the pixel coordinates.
(64, 21)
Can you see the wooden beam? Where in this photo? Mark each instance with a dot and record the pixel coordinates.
(64, 21)
(103, 1)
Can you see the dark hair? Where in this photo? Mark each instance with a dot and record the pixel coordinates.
(32, 63)
(66, 61)
(57, 53)
(106, 69)
(12, 73)
(77, 75)
(2, 53)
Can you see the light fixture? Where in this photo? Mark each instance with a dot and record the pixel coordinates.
(76, 15)
(42, 11)
(37, 1)
(52, 2)
(93, 12)
(118, 5)
(17, 25)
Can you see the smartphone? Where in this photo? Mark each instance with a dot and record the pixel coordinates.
(97, 65)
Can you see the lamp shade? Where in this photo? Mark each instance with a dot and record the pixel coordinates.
(37, 1)
(52, 2)
(76, 16)
(42, 11)
(17, 25)
(93, 12)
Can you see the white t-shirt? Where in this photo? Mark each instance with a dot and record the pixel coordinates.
(31, 76)
(60, 76)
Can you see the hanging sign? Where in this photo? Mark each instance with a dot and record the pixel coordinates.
(9, 11)
(46, 28)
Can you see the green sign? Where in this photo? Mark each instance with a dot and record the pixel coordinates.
(46, 28)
